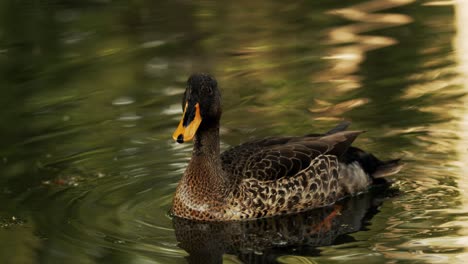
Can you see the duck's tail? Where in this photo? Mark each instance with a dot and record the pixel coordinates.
(358, 167)
(387, 168)
(370, 164)
(376, 169)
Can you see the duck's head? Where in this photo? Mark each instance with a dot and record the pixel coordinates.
(201, 105)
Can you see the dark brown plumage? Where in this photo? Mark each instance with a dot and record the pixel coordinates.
(267, 177)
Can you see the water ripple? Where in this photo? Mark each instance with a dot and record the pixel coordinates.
(353, 44)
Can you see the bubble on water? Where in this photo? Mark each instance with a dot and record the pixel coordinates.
(156, 67)
(123, 100)
(172, 110)
(127, 117)
(173, 91)
(153, 44)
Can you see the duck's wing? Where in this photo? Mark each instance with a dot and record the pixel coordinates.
(274, 158)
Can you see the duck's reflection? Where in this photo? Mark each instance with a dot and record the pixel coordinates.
(263, 240)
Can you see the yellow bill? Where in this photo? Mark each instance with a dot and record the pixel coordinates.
(188, 124)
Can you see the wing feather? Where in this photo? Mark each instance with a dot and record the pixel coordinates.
(274, 158)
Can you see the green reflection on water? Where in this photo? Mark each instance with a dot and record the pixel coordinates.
(90, 95)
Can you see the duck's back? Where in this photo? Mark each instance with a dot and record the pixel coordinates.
(276, 157)
(290, 174)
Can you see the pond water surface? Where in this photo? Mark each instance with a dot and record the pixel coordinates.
(90, 94)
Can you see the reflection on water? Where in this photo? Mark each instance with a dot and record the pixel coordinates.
(91, 94)
(265, 240)
(351, 43)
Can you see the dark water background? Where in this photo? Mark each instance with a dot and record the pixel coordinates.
(90, 95)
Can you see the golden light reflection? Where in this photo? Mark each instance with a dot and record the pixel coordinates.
(437, 84)
(446, 138)
(347, 58)
(461, 46)
(327, 109)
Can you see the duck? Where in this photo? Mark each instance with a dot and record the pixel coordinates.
(265, 177)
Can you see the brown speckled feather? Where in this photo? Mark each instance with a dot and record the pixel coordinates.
(313, 187)
(266, 177)
(277, 157)
(278, 176)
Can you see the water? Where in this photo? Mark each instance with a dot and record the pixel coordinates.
(90, 95)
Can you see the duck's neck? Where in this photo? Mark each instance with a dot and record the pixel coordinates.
(206, 143)
(205, 168)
